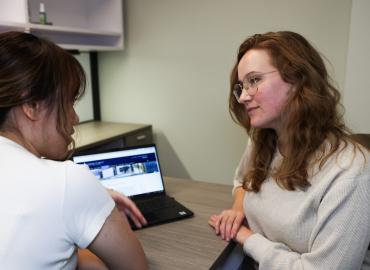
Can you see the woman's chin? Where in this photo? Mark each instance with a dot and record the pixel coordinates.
(255, 123)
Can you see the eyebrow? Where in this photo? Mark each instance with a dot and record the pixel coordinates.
(249, 74)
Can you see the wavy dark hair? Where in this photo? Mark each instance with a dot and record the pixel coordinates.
(33, 69)
(312, 115)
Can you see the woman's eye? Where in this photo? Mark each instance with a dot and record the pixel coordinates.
(253, 80)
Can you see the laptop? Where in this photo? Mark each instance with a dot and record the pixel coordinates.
(136, 173)
(233, 258)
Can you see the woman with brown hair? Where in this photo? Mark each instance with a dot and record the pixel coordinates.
(302, 188)
(50, 207)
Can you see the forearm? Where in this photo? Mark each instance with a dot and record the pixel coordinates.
(117, 246)
(89, 261)
(238, 198)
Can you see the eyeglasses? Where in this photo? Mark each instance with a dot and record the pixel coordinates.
(249, 84)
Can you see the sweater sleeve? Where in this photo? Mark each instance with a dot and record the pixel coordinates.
(340, 238)
(242, 167)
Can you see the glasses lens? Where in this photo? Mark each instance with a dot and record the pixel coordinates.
(237, 91)
(252, 90)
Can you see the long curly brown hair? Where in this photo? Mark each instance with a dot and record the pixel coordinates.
(312, 115)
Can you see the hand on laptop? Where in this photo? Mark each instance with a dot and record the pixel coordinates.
(128, 208)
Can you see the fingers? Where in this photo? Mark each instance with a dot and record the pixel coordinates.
(129, 208)
(217, 224)
(220, 223)
(134, 213)
(133, 218)
(223, 224)
(212, 220)
(236, 225)
(227, 223)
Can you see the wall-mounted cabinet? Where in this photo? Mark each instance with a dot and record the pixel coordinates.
(73, 24)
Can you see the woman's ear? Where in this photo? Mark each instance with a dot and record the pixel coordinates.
(32, 110)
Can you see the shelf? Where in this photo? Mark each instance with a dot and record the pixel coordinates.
(70, 30)
(88, 25)
(11, 26)
(87, 48)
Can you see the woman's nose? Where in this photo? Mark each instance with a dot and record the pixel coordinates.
(244, 97)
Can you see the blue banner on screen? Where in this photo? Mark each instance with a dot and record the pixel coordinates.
(131, 171)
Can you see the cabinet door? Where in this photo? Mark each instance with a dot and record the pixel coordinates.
(13, 15)
(80, 24)
(13, 11)
(139, 138)
(73, 24)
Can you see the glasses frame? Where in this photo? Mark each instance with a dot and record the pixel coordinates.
(247, 86)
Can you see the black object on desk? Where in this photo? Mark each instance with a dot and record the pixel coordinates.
(233, 258)
(135, 172)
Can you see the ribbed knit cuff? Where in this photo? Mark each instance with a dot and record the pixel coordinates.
(256, 246)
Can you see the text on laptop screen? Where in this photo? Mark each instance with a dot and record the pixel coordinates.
(131, 172)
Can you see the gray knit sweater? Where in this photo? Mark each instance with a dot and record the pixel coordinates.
(325, 227)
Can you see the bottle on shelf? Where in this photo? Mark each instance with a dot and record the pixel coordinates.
(42, 14)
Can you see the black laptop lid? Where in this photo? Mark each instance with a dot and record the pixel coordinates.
(133, 171)
(233, 258)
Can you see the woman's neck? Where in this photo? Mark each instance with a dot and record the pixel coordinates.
(18, 138)
(281, 146)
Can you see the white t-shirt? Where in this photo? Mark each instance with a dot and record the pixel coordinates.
(47, 210)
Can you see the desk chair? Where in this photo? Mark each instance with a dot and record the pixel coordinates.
(363, 139)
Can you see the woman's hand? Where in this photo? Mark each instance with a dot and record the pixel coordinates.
(241, 235)
(227, 223)
(128, 208)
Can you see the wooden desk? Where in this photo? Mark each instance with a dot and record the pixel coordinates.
(106, 135)
(189, 243)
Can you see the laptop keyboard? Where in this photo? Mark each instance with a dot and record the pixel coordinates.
(151, 205)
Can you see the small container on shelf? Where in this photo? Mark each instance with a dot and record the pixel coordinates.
(42, 14)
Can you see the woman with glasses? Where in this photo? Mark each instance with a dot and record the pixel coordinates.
(302, 188)
(51, 207)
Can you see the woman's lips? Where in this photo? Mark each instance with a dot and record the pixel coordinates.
(251, 109)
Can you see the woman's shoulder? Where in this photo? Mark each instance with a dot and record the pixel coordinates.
(344, 171)
(76, 179)
(352, 154)
(68, 168)
(350, 159)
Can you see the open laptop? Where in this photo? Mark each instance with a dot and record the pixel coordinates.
(136, 173)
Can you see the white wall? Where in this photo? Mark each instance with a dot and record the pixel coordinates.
(357, 87)
(175, 69)
(84, 107)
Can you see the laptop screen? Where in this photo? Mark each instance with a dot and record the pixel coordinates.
(133, 171)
